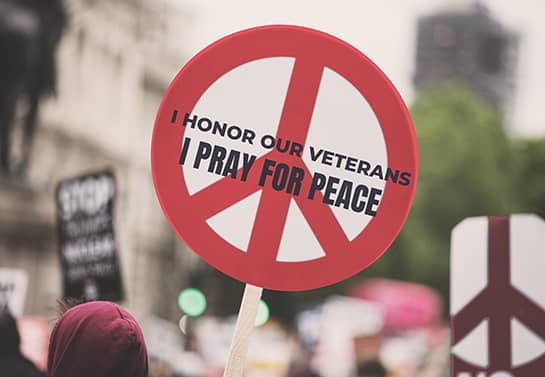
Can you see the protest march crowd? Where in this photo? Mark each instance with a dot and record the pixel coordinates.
(343, 336)
(81, 211)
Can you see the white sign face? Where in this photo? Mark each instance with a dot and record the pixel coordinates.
(498, 296)
(263, 87)
(13, 287)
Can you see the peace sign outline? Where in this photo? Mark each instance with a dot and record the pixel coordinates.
(187, 214)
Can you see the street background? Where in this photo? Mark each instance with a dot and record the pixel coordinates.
(470, 73)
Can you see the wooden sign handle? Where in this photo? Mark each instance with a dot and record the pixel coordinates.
(243, 329)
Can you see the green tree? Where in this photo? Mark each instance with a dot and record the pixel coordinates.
(464, 170)
(529, 176)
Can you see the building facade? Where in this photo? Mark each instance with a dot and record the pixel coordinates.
(465, 45)
(115, 62)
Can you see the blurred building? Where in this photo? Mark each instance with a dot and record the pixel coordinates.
(464, 44)
(115, 62)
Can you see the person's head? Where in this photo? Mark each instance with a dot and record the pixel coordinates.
(10, 340)
(97, 339)
(371, 368)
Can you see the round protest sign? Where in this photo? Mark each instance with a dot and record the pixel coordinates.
(284, 157)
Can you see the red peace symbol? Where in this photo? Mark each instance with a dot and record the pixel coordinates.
(187, 214)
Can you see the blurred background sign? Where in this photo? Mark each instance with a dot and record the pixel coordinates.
(497, 297)
(87, 238)
(34, 332)
(405, 305)
(13, 287)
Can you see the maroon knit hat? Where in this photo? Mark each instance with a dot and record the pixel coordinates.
(97, 339)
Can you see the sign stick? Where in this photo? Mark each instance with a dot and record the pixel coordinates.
(243, 329)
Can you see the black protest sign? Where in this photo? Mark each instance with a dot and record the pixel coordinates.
(88, 253)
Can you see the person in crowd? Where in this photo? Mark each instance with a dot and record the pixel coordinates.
(12, 361)
(97, 339)
(371, 368)
(159, 369)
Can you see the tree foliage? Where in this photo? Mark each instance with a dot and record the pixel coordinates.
(529, 176)
(465, 163)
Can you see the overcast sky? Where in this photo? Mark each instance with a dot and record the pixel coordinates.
(386, 32)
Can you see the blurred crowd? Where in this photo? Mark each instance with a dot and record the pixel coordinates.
(374, 332)
(113, 64)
